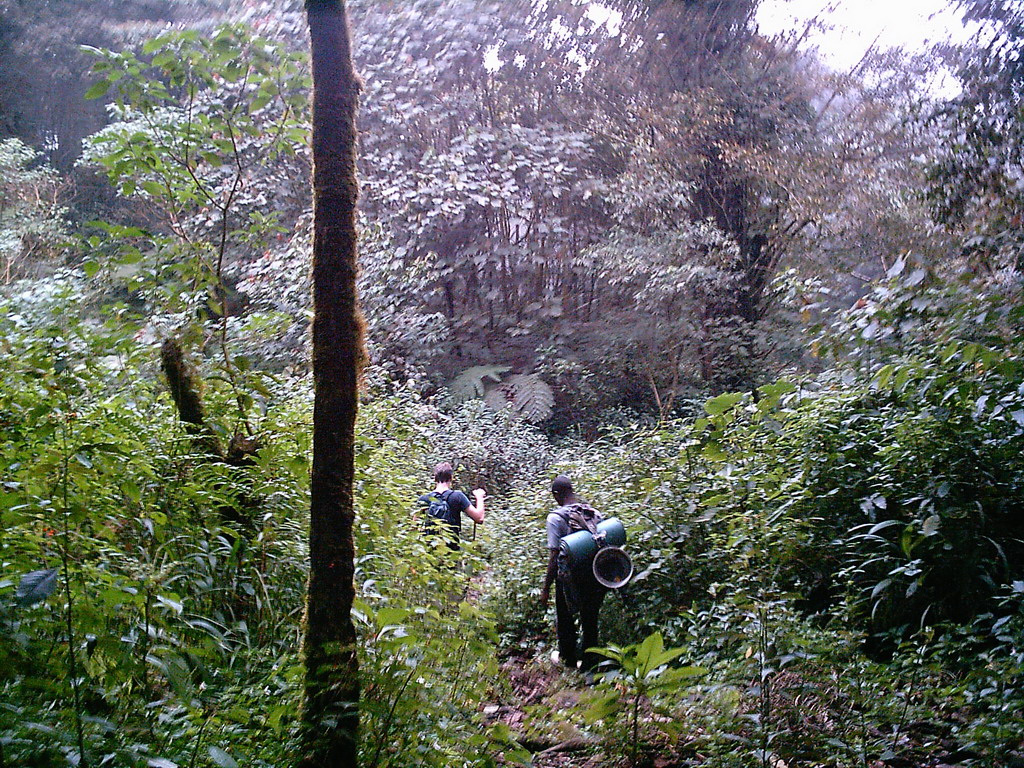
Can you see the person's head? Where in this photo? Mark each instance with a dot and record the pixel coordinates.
(443, 472)
(561, 489)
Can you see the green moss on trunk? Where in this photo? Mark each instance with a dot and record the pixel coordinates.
(185, 391)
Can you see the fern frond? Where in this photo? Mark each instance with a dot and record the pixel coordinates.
(529, 396)
(472, 382)
(496, 399)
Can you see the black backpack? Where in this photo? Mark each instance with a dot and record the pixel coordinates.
(437, 513)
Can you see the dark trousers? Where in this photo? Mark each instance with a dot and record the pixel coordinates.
(578, 602)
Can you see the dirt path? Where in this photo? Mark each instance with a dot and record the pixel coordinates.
(541, 697)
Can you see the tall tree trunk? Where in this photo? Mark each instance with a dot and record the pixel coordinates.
(331, 708)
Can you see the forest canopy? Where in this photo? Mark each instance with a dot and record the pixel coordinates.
(765, 312)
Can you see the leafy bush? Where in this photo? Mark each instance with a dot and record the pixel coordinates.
(640, 675)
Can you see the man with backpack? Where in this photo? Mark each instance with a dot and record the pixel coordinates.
(577, 592)
(443, 507)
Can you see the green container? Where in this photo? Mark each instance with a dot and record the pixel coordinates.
(581, 546)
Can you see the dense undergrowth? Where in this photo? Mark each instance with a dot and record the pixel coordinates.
(835, 562)
(828, 565)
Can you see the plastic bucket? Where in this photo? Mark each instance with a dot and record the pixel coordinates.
(581, 546)
(612, 567)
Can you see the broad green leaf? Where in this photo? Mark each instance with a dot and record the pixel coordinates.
(719, 405)
(882, 526)
(36, 586)
(884, 376)
(714, 452)
(98, 89)
(666, 656)
(880, 587)
(779, 388)
(171, 601)
(650, 649)
(613, 652)
(387, 616)
(675, 676)
(153, 44)
(222, 758)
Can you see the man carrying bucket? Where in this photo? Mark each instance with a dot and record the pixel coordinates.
(577, 591)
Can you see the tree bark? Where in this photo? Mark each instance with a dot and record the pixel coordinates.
(330, 717)
(185, 392)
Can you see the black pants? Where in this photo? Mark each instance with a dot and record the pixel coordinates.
(578, 602)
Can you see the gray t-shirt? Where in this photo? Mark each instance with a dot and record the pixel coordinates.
(558, 523)
(557, 527)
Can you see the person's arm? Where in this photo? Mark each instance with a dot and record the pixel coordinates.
(549, 577)
(555, 528)
(476, 511)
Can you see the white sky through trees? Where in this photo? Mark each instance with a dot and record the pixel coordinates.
(850, 27)
(846, 29)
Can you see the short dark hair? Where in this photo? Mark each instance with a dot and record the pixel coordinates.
(561, 488)
(443, 472)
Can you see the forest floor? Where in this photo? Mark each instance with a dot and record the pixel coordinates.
(539, 690)
(542, 704)
(542, 710)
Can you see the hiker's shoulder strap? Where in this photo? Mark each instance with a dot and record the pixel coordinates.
(562, 512)
(583, 517)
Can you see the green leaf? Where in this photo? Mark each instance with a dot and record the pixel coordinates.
(884, 376)
(649, 649)
(719, 405)
(673, 677)
(153, 44)
(602, 707)
(261, 100)
(386, 616)
(612, 652)
(518, 756)
(171, 602)
(714, 452)
(882, 526)
(164, 59)
(880, 587)
(222, 758)
(500, 732)
(666, 656)
(36, 586)
(779, 388)
(98, 89)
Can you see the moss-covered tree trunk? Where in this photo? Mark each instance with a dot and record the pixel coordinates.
(184, 386)
(331, 708)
